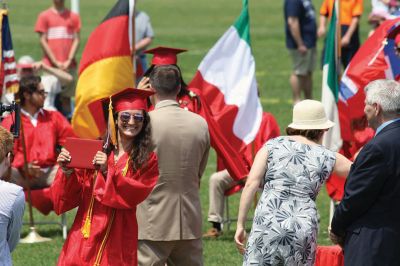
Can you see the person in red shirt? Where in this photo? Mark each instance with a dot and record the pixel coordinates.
(44, 132)
(58, 30)
(105, 230)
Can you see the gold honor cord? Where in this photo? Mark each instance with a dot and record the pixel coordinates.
(103, 243)
(88, 221)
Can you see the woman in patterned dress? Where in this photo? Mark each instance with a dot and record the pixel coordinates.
(293, 168)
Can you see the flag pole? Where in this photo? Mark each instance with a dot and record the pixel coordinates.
(75, 6)
(33, 236)
(338, 50)
(132, 10)
(338, 56)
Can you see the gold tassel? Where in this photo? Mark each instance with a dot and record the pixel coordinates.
(85, 230)
(125, 170)
(111, 124)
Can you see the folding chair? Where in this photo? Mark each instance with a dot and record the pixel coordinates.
(227, 220)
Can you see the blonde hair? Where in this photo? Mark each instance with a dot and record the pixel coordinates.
(6, 143)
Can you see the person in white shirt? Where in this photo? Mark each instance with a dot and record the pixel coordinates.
(12, 202)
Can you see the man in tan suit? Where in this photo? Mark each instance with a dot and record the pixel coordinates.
(170, 218)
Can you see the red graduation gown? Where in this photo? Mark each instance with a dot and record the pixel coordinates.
(52, 129)
(41, 141)
(115, 193)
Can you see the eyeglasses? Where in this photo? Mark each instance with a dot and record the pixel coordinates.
(126, 117)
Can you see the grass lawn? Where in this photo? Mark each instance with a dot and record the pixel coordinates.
(195, 25)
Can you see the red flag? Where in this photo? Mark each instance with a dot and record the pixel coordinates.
(375, 59)
(234, 161)
(269, 129)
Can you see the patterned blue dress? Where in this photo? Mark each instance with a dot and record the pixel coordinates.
(285, 224)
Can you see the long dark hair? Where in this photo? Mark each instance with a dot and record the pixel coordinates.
(311, 134)
(142, 144)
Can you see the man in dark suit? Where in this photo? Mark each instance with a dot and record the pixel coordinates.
(367, 221)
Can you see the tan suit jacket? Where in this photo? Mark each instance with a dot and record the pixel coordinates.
(172, 211)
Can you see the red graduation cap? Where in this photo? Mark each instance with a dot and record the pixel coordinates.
(164, 55)
(130, 99)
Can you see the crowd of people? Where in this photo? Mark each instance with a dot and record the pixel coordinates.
(302, 32)
(293, 168)
(139, 204)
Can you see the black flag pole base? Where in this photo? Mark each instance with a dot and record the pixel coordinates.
(33, 237)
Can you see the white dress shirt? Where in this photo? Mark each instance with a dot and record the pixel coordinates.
(12, 206)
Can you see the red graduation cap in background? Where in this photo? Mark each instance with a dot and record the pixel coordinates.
(130, 99)
(164, 55)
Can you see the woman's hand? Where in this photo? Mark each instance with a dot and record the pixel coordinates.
(240, 239)
(100, 159)
(144, 84)
(63, 159)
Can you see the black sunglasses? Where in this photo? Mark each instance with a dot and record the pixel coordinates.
(126, 117)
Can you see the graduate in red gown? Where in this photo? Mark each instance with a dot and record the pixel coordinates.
(105, 229)
(44, 132)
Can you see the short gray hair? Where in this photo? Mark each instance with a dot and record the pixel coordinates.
(386, 93)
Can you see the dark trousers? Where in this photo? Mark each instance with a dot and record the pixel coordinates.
(348, 52)
(372, 247)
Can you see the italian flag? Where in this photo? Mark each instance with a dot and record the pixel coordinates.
(330, 84)
(226, 83)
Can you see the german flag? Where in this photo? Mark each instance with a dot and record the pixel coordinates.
(105, 69)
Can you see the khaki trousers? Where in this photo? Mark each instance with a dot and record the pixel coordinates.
(219, 183)
(171, 253)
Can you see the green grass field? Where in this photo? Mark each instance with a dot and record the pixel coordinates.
(194, 25)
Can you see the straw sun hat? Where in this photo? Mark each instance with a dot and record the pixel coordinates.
(310, 114)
